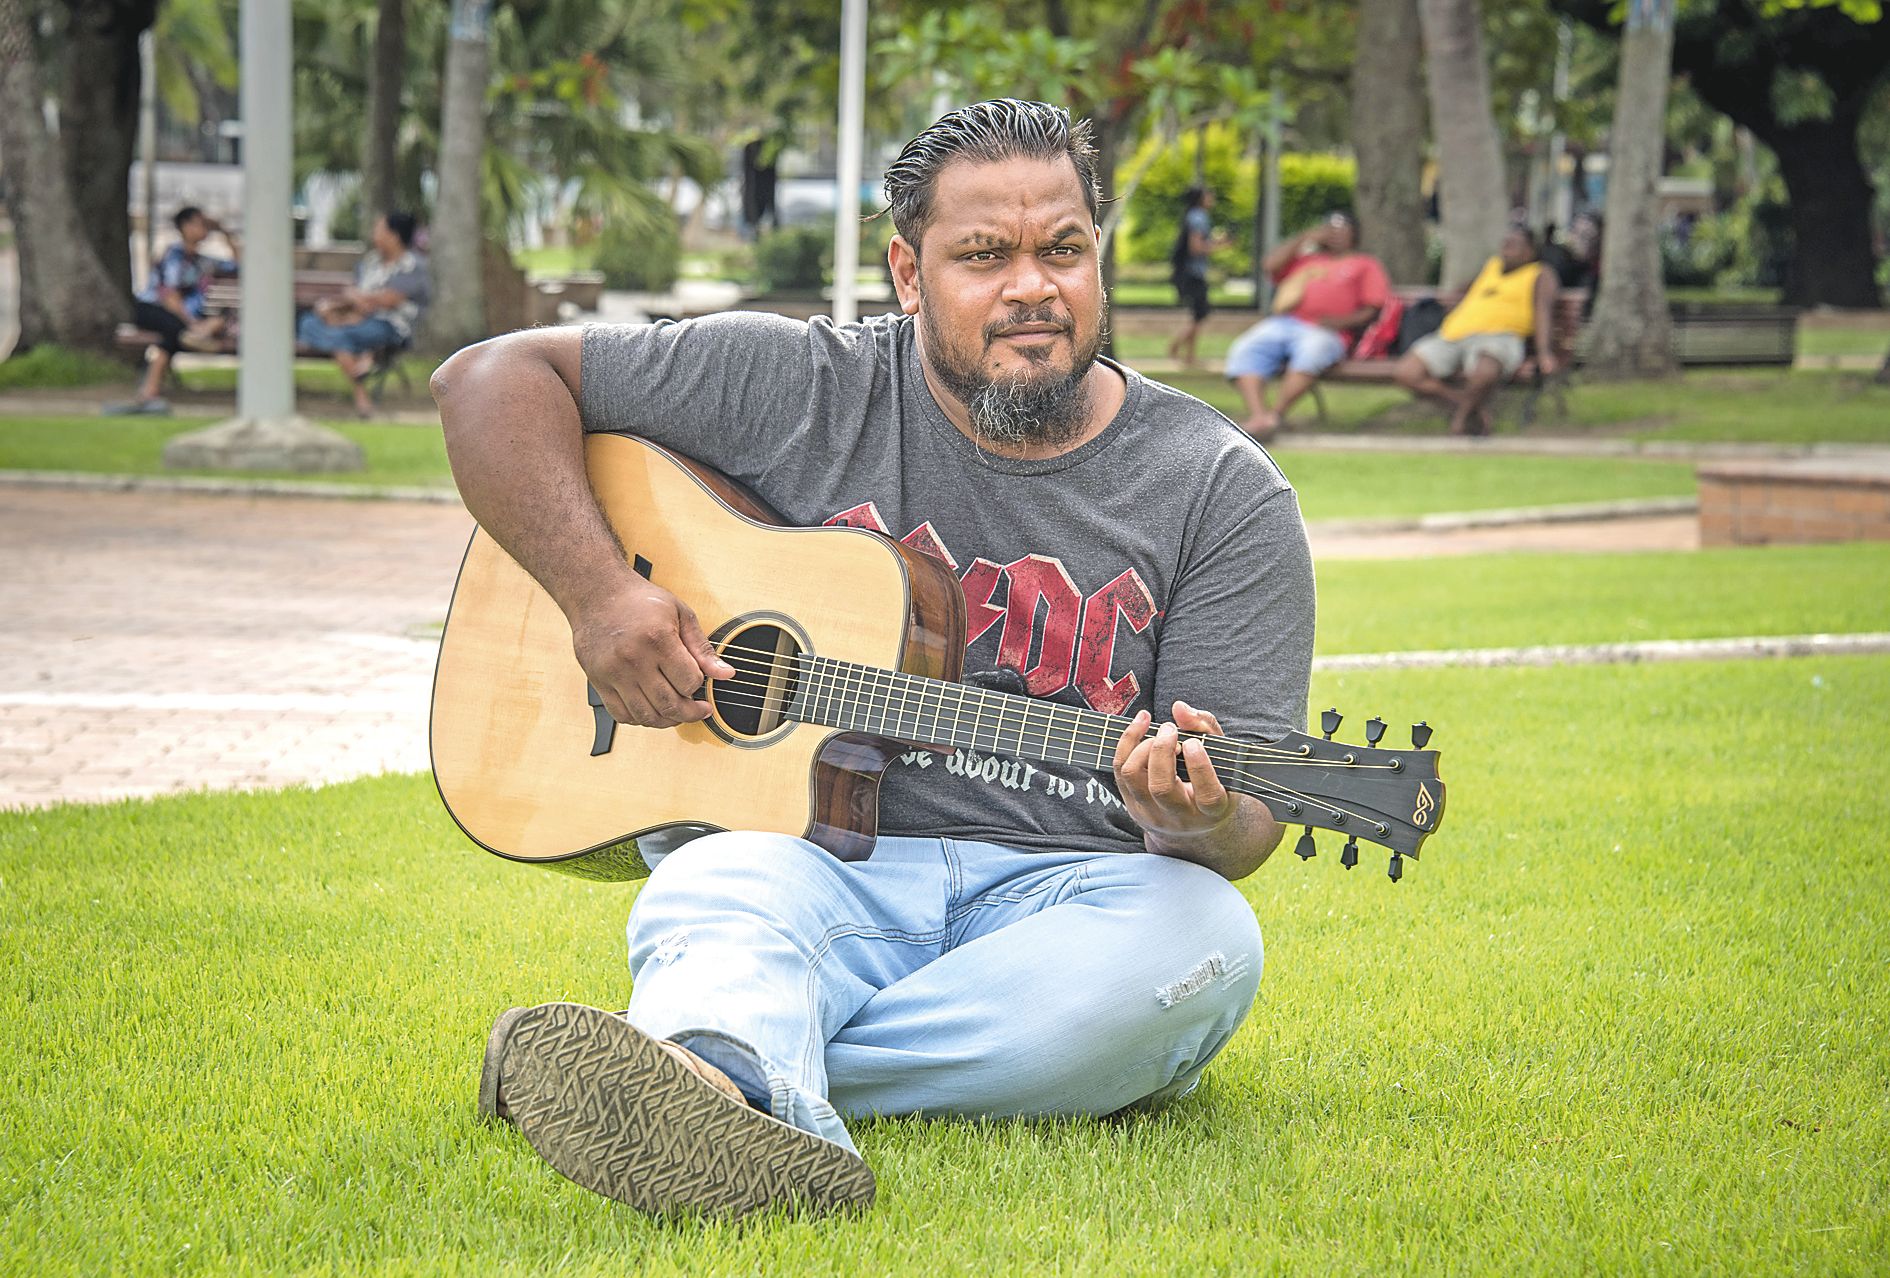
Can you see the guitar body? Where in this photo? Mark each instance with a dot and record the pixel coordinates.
(531, 769)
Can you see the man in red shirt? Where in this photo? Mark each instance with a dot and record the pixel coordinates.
(1325, 294)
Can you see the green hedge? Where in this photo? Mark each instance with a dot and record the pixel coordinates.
(1310, 186)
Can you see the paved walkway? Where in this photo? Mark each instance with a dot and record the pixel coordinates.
(163, 641)
(157, 642)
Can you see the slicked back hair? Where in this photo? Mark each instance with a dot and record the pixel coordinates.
(985, 133)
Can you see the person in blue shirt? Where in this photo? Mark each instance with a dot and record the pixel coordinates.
(172, 304)
(1195, 240)
(391, 289)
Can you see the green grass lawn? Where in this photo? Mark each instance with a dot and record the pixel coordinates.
(1706, 404)
(1331, 486)
(1628, 1015)
(1858, 340)
(396, 454)
(1494, 601)
(1386, 485)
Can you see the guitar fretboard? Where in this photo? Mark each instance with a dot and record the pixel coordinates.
(885, 703)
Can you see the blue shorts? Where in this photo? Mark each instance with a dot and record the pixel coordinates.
(1280, 342)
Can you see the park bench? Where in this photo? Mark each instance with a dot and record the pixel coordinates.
(1565, 326)
(309, 286)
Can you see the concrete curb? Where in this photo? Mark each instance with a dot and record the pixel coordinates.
(89, 481)
(1564, 446)
(1458, 521)
(1756, 647)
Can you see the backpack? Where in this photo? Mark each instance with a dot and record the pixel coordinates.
(1421, 318)
(1383, 332)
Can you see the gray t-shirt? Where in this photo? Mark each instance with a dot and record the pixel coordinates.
(1163, 560)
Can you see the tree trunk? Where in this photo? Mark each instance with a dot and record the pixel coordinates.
(1470, 162)
(1633, 334)
(380, 166)
(1831, 263)
(1108, 137)
(98, 121)
(67, 296)
(458, 316)
(1388, 136)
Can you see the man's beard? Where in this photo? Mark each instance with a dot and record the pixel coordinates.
(1011, 410)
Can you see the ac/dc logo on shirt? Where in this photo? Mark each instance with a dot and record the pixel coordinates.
(1041, 608)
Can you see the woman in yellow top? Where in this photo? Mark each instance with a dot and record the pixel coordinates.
(1482, 339)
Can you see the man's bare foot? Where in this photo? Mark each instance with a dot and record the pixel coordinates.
(1263, 425)
(1472, 422)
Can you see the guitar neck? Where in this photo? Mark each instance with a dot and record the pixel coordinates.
(913, 708)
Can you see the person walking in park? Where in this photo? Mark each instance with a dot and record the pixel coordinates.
(172, 305)
(391, 290)
(1483, 338)
(1194, 242)
(1326, 293)
(1068, 946)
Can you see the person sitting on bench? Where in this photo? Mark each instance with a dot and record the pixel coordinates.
(1325, 294)
(1510, 301)
(378, 314)
(172, 305)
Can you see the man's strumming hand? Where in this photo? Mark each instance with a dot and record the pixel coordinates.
(644, 651)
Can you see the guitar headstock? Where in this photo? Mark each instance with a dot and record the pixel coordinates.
(1393, 798)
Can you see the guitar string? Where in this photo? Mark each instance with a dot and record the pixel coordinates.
(739, 695)
(1227, 759)
(770, 663)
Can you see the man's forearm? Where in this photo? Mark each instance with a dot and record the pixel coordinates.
(516, 446)
(1234, 849)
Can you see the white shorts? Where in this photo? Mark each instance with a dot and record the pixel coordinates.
(1445, 358)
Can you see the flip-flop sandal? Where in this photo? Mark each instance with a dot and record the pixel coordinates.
(613, 1110)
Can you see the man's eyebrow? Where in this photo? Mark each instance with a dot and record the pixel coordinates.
(980, 239)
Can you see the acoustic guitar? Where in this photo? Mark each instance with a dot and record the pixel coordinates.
(832, 685)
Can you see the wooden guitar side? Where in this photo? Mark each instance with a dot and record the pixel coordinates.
(513, 729)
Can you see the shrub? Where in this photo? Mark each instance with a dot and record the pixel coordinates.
(794, 258)
(1310, 186)
(642, 260)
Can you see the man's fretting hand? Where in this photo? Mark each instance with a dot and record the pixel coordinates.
(1161, 802)
(644, 651)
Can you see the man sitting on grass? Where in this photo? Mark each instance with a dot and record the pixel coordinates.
(390, 290)
(1071, 945)
(1325, 294)
(172, 305)
(1482, 339)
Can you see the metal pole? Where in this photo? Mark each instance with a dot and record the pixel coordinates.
(846, 207)
(147, 143)
(265, 384)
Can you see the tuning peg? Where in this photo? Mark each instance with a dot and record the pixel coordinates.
(1305, 847)
(1396, 870)
(1329, 722)
(1374, 730)
(1420, 735)
(1349, 857)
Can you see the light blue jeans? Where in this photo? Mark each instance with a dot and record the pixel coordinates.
(942, 976)
(1280, 342)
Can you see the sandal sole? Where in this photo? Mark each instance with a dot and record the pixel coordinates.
(610, 1110)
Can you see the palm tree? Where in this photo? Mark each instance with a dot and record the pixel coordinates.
(458, 240)
(68, 295)
(1633, 333)
(1388, 136)
(1470, 162)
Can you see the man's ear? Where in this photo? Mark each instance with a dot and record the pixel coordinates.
(904, 260)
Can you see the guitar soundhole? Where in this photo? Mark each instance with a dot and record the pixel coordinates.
(753, 706)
